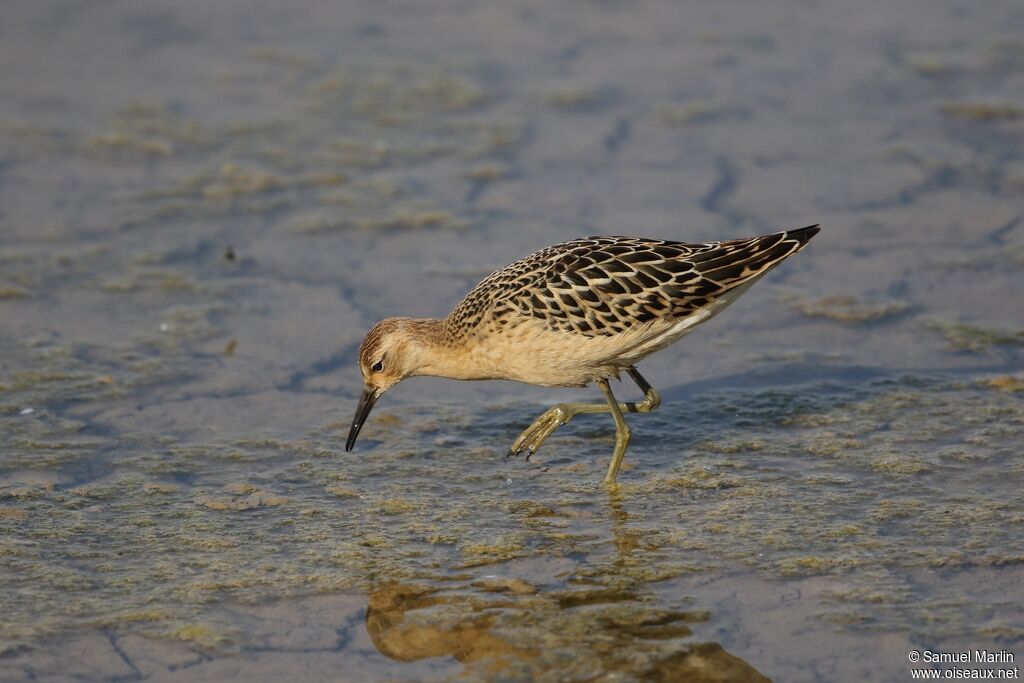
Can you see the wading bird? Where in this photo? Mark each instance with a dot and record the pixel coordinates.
(571, 314)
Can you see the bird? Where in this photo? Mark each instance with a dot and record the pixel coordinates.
(569, 315)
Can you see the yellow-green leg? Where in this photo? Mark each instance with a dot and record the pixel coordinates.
(622, 433)
(556, 416)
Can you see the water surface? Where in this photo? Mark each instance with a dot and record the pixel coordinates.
(204, 208)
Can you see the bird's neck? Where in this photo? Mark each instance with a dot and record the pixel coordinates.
(436, 353)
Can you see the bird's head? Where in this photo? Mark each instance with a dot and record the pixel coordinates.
(391, 351)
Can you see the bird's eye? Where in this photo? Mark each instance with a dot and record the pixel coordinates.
(378, 366)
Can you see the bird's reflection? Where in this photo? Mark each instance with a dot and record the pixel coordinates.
(606, 630)
(398, 621)
(399, 624)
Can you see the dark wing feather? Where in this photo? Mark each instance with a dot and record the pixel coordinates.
(606, 285)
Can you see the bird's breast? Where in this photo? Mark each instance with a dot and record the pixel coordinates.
(530, 352)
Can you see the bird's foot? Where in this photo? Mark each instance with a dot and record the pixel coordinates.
(538, 432)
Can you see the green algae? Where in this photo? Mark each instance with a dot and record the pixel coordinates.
(491, 551)
(396, 218)
(487, 173)
(200, 634)
(574, 96)
(396, 96)
(119, 144)
(894, 463)
(359, 122)
(11, 292)
(1007, 383)
(982, 111)
(691, 113)
(974, 338)
(148, 279)
(397, 506)
(847, 308)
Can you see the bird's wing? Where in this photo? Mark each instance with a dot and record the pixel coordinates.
(607, 285)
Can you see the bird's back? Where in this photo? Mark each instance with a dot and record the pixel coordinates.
(626, 296)
(606, 285)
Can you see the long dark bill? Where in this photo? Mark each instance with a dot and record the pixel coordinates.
(366, 402)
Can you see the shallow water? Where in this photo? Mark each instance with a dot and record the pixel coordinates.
(202, 210)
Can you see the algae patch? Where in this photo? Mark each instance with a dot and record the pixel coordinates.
(983, 111)
(11, 292)
(1007, 383)
(786, 482)
(847, 308)
(967, 337)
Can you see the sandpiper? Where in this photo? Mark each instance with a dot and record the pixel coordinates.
(571, 314)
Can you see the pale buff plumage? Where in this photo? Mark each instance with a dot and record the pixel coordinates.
(571, 314)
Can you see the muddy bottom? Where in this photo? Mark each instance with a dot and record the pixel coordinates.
(788, 522)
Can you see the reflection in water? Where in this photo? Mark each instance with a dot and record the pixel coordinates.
(409, 622)
(504, 627)
(468, 639)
